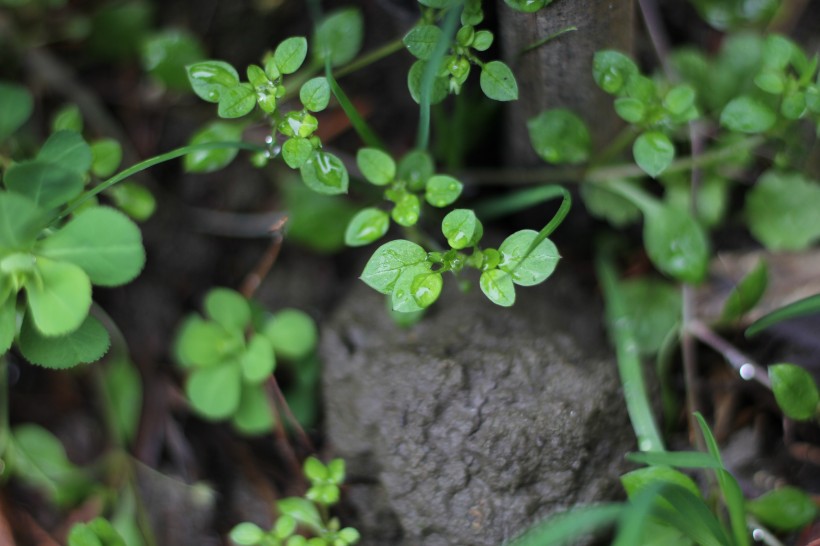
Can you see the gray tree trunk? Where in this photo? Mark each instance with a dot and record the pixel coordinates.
(559, 73)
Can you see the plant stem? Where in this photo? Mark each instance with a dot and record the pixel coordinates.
(257, 275)
(542, 41)
(626, 348)
(370, 57)
(745, 366)
(156, 160)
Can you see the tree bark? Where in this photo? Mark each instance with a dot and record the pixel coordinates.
(558, 74)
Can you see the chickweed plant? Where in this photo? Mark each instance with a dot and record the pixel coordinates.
(695, 134)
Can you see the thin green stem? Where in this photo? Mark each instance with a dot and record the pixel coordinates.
(156, 160)
(635, 195)
(428, 79)
(359, 124)
(4, 409)
(542, 41)
(626, 348)
(369, 58)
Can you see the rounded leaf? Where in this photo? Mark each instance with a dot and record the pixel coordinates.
(292, 334)
(210, 79)
(421, 41)
(206, 161)
(376, 166)
(16, 106)
(236, 101)
(215, 392)
(612, 70)
(781, 210)
(653, 152)
(296, 150)
(315, 94)
(528, 267)
(785, 509)
(414, 80)
(247, 534)
(426, 288)
(166, 53)
(104, 242)
(498, 286)
(559, 136)
(253, 416)
(201, 343)
(747, 115)
(59, 297)
(442, 190)
(676, 243)
(228, 308)
(415, 168)
(47, 184)
(462, 228)
(258, 361)
(367, 226)
(86, 344)
(407, 210)
(339, 36)
(325, 173)
(290, 54)
(387, 263)
(134, 200)
(67, 149)
(403, 296)
(21, 221)
(498, 82)
(107, 156)
(795, 391)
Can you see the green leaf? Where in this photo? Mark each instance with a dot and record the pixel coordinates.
(236, 101)
(679, 99)
(258, 361)
(377, 167)
(339, 35)
(680, 459)
(166, 53)
(387, 263)
(690, 515)
(782, 211)
(653, 152)
(676, 243)
(421, 41)
(302, 510)
(202, 343)
(16, 106)
(48, 184)
(367, 226)
(67, 118)
(247, 534)
(637, 480)
(498, 82)
(608, 205)
(315, 470)
(295, 151)
(414, 80)
(215, 392)
(426, 288)
(316, 221)
(290, 54)
(228, 308)
(528, 267)
(325, 173)
(206, 161)
(8, 321)
(745, 295)
(134, 200)
(38, 458)
(103, 242)
(736, 14)
(407, 210)
(21, 220)
(415, 168)
(210, 79)
(799, 308)
(315, 94)
(292, 333)
(442, 190)
(629, 109)
(462, 228)
(795, 391)
(653, 309)
(559, 136)
(403, 296)
(107, 156)
(86, 344)
(438, 4)
(59, 297)
(527, 6)
(747, 115)
(568, 527)
(498, 286)
(253, 417)
(483, 40)
(612, 70)
(82, 535)
(785, 509)
(123, 384)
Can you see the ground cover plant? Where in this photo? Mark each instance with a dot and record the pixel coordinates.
(713, 142)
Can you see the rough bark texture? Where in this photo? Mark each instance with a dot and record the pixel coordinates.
(477, 421)
(559, 74)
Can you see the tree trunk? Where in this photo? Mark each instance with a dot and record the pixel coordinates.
(558, 74)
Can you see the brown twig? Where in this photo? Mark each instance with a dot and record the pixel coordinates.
(279, 430)
(252, 281)
(747, 368)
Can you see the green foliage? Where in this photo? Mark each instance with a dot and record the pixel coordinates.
(781, 210)
(729, 14)
(653, 308)
(747, 293)
(97, 532)
(229, 357)
(308, 514)
(786, 509)
(165, 55)
(15, 108)
(559, 136)
(799, 308)
(339, 37)
(795, 391)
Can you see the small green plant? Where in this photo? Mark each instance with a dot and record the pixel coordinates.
(230, 354)
(309, 514)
